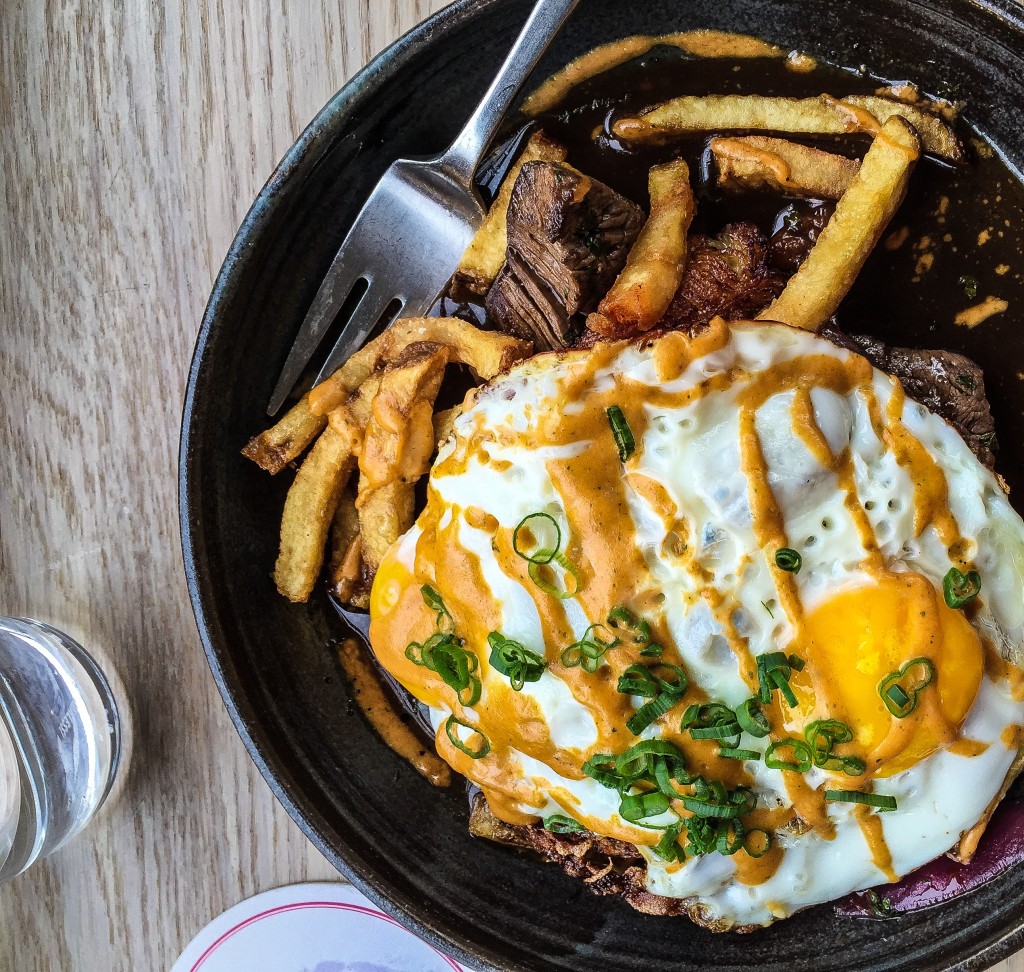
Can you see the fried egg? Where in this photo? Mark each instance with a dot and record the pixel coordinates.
(728, 447)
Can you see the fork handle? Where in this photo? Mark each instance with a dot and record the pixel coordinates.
(546, 19)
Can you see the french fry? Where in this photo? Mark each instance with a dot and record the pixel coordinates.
(308, 512)
(817, 288)
(486, 253)
(488, 353)
(397, 447)
(279, 445)
(315, 493)
(823, 115)
(345, 570)
(757, 162)
(642, 292)
(937, 136)
(444, 423)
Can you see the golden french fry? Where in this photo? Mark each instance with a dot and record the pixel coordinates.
(758, 162)
(937, 136)
(346, 556)
(488, 353)
(698, 43)
(314, 495)
(444, 423)
(397, 447)
(486, 253)
(642, 292)
(279, 445)
(308, 512)
(823, 115)
(816, 289)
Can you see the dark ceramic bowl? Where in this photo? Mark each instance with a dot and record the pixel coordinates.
(402, 842)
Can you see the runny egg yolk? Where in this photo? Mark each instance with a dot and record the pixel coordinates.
(856, 638)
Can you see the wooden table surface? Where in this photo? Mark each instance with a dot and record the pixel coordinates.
(133, 136)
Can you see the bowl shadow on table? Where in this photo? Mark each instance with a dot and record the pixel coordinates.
(404, 842)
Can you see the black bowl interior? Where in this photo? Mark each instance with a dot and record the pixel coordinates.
(402, 841)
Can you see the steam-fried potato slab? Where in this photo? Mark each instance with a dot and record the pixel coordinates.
(823, 115)
(314, 496)
(488, 353)
(642, 292)
(444, 423)
(274, 449)
(758, 162)
(816, 289)
(486, 253)
(397, 447)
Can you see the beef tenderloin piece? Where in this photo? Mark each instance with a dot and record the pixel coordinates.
(726, 276)
(800, 230)
(568, 239)
(948, 384)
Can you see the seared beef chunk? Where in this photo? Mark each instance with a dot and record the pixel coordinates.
(725, 276)
(799, 232)
(568, 238)
(949, 384)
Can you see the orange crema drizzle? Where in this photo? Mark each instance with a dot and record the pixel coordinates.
(595, 491)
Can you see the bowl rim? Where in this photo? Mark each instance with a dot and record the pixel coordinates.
(315, 138)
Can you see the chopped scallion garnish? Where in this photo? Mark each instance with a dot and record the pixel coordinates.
(899, 690)
(800, 753)
(515, 660)
(959, 589)
(752, 719)
(879, 801)
(537, 538)
(477, 751)
(623, 434)
(559, 823)
(787, 559)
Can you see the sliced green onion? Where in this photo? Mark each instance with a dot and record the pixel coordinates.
(665, 771)
(640, 806)
(622, 432)
(559, 823)
(702, 833)
(601, 767)
(589, 650)
(801, 752)
(650, 711)
(729, 753)
(850, 765)
(668, 848)
(822, 735)
(959, 589)
(622, 617)
(728, 731)
(879, 801)
(901, 697)
(787, 559)
(534, 570)
(638, 680)
(651, 651)
(515, 660)
(476, 752)
(781, 682)
(705, 808)
(757, 842)
(639, 760)
(752, 719)
(730, 837)
(796, 663)
(542, 531)
(702, 715)
(435, 602)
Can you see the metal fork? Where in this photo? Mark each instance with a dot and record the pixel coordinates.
(410, 234)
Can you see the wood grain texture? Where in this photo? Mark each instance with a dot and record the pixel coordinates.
(133, 136)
